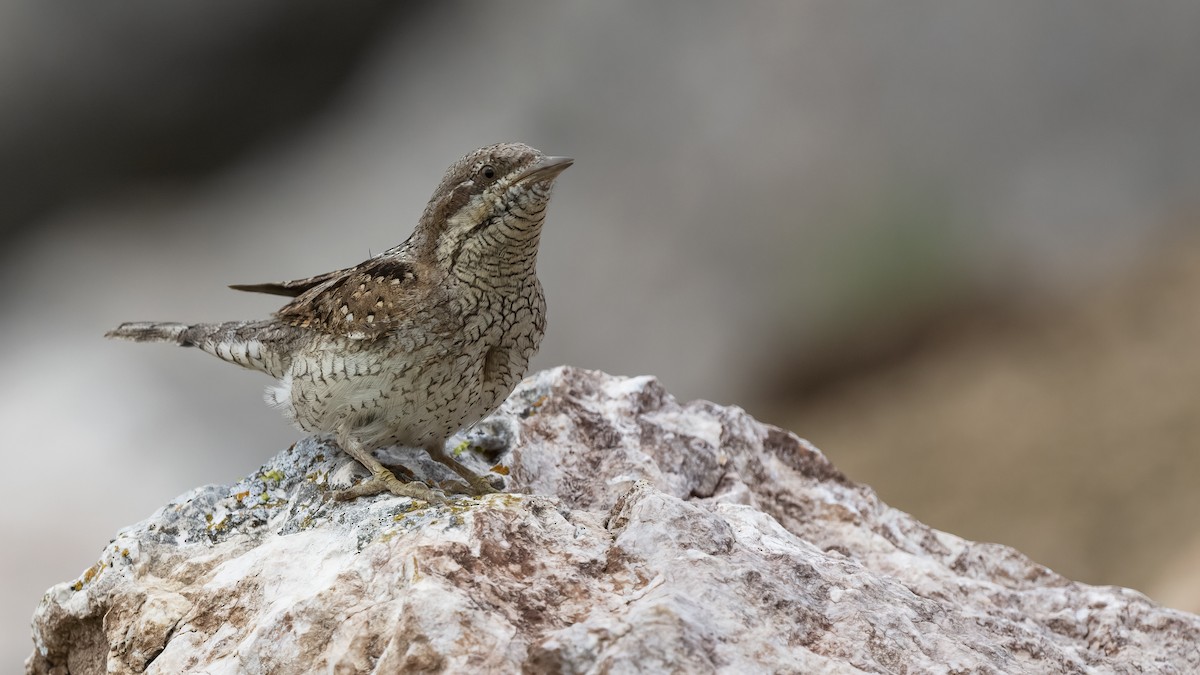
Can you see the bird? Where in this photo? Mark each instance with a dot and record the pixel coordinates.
(415, 343)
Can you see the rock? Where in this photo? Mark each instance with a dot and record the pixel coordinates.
(641, 536)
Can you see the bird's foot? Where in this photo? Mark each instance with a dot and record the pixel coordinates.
(476, 485)
(386, 481)
(472, 488)
(480, 485)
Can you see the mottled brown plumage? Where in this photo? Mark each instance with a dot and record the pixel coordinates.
(364, 301)
(416, 343)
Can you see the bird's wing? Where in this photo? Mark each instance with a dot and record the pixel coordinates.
(290, 288)
(361, 303)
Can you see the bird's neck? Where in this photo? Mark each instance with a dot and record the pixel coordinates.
(496, 253)
(504, 265)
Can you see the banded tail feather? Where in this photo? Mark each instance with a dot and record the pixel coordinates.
(151, 331)
(239, 342)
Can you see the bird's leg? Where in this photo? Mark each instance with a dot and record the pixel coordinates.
(382, 479)
(478, 484)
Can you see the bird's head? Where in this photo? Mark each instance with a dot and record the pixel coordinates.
(490, 205)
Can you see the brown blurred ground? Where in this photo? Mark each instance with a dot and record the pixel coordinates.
(1069, 429)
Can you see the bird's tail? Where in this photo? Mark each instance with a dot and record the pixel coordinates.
(152, 331)
(260, 345)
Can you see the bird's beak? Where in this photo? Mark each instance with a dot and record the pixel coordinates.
(545, 170)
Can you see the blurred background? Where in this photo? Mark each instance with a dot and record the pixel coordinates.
(952, 243)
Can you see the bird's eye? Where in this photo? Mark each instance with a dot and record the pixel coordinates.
(488, 171)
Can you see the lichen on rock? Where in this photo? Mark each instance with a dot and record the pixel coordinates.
(639, 535)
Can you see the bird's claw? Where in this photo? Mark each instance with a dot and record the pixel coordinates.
(386, 481)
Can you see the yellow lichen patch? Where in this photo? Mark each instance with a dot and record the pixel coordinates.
(533, 407)
(87, 576)
(274, 475)
(500, 469)
(409, 508)
(460, 448)
(265, 499)
(503, 499)
(241, 495)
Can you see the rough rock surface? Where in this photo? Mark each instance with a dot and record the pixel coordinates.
(642, 536)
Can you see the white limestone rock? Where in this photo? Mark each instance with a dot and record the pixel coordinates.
(642, 536)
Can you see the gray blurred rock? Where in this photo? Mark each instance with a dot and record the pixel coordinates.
(643, 535)
(99, 99)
